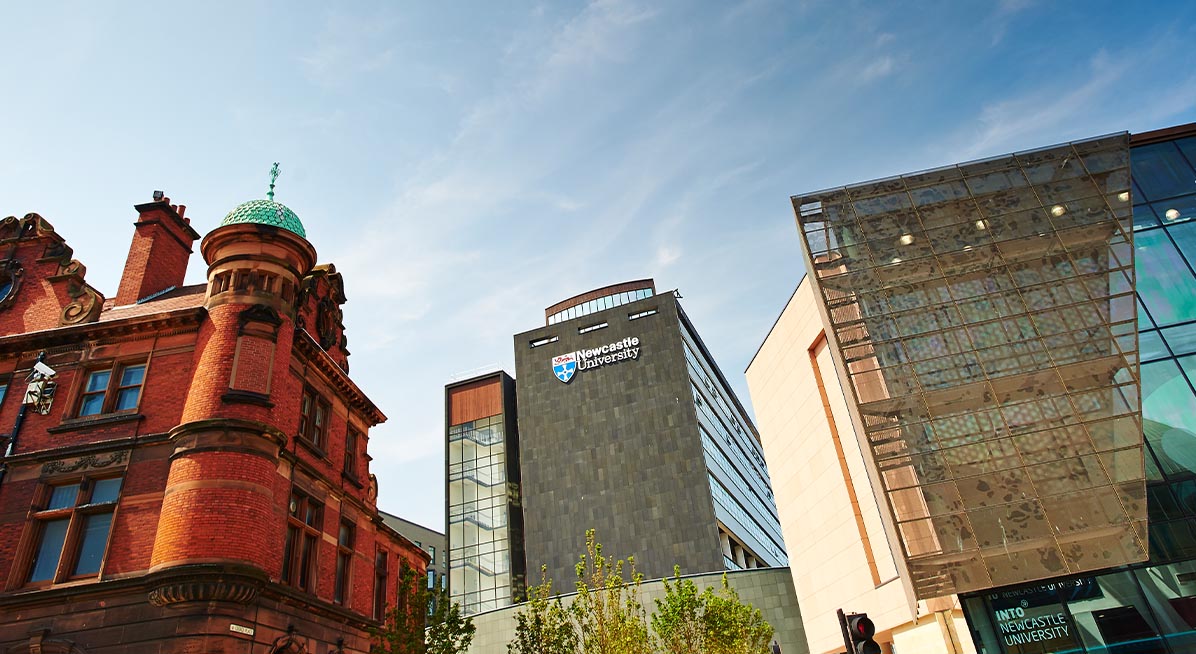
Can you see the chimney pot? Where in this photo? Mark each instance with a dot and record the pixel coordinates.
(158, 254)
(182, 210)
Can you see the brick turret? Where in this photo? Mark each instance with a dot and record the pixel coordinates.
(224, 471)
(159, 253)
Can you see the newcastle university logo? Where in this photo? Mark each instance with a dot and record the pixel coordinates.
(564, 366)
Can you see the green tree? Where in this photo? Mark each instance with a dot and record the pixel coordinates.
(408, 628)
(710, 622)
(607, 611)
(608, 617)
(448, 632)
(677, 621)
(543, 626)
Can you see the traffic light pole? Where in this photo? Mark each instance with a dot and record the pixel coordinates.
(847, 646)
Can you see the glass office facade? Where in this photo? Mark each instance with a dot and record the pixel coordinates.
(984, 316)
(479, 515)
(1147, 608)
(750, 531)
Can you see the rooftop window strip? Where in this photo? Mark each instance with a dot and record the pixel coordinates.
(591, 328)
(642, 314)
(544, 341)
(599, 304)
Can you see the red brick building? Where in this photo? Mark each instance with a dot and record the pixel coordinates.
(184, 467)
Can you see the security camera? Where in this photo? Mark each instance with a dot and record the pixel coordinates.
(44, 369)
(158, 195)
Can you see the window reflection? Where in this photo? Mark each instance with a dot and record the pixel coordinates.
(1176, 210)
(1144, 217)
(1169, 416)
(1181, 339)
(1161, 171)
(599, 304)
(1150, 346)
(1165, 284)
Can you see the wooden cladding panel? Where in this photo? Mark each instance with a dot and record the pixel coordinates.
(476, 400)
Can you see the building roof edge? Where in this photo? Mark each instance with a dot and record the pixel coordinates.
(777, 321)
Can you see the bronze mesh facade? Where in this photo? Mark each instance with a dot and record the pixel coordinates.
(984, 320)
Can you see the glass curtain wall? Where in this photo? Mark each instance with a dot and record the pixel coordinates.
(1149, 608)
(984, 315)
(478, 520)
(600, 304)
(738, 475)
(1165, 243)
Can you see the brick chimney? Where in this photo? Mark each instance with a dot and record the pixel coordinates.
(159, 252)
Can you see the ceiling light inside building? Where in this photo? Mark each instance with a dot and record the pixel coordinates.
(1172, 214)
(1058, 210)
(981, 224)
(896, 260)
(906, 239)
(1124, 196)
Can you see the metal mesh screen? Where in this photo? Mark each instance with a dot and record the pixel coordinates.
(985, 320)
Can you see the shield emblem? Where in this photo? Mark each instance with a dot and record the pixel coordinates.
(564, 366)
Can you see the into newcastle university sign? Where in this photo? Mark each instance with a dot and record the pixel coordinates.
(566, 365)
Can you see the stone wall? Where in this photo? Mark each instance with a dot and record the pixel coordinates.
(768, 589)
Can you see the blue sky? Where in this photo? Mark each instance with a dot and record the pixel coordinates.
(465, 165)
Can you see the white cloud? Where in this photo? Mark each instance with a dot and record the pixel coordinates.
(667, 255)
(348, 46)
(878, 68)
(1043, 114)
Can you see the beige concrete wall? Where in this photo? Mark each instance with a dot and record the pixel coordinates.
(768, 589)
(839, 554)
(930, 634)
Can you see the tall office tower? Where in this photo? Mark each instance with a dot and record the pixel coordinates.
(979, 362)
(628, 427)
(485, 521)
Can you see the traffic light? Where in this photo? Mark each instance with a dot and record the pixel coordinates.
(860, 631)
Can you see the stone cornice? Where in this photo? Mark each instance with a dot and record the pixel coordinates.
(197, 583)
(95, 449)
(312, 353)
(176, 320)
(219, 582)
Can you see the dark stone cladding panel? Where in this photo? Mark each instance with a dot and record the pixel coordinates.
(617, 449)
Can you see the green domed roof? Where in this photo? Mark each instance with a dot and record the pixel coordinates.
(265, 212)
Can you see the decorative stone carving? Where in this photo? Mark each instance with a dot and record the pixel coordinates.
(85, 308)
(239, 591)
(259, 320)
(288, 644)
(11, 275)
(259, 313)
(84, 463)
(328, 321)
(41, 643)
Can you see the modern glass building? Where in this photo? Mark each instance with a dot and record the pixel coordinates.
(983, 319)
(739, 485)
(1016, 342)
(485, 538)
(628, 427)
(1149, 607)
